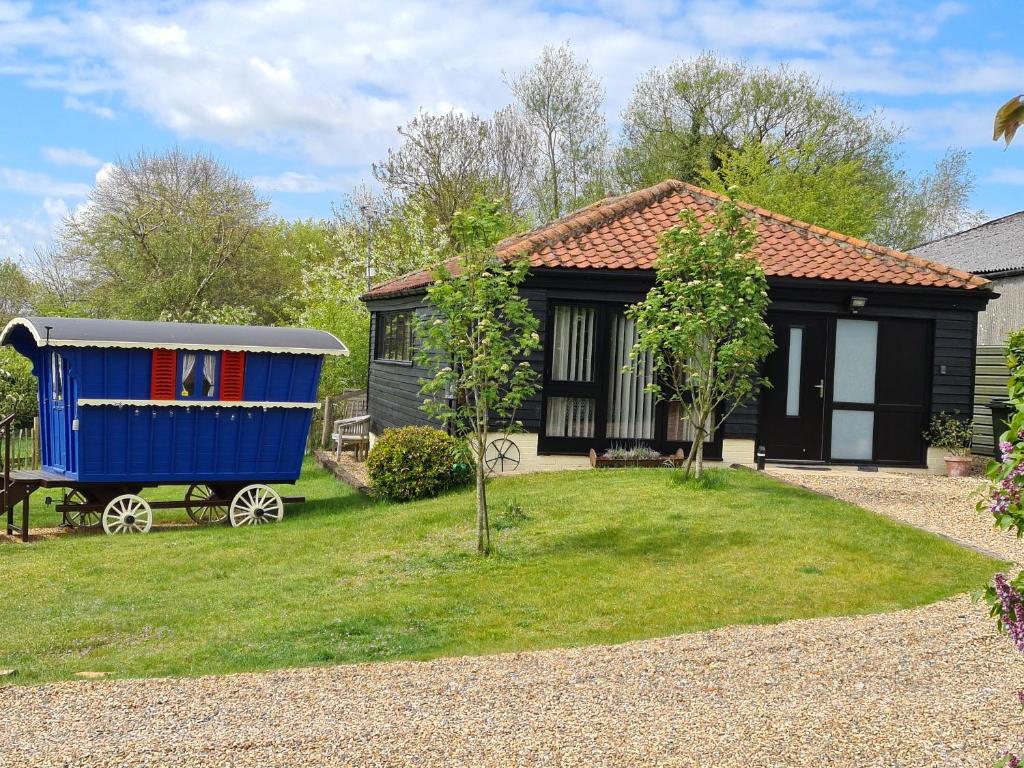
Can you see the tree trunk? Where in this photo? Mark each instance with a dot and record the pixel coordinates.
(483, 529)
(689, 459)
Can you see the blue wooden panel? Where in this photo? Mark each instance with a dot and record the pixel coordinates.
(157, 444)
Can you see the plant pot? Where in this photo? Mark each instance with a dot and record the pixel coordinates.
(959, 466)
(675, 460)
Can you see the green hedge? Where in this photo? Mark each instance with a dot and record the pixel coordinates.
(417, 463)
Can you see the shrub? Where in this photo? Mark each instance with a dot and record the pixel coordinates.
(951, 432)
(417, 463)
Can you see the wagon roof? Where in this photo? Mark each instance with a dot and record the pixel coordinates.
(138, 334)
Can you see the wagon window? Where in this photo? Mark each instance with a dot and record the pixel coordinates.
(188, 374)
(394, 336)
(209, 373)
(56, 377)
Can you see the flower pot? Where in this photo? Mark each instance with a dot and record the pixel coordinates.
(958, 466)
(675, 460)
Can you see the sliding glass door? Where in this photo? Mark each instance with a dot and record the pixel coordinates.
(595, 394)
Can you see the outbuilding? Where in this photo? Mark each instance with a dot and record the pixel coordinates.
(870, 341)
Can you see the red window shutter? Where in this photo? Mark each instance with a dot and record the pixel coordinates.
(165, 374)
(232, 375)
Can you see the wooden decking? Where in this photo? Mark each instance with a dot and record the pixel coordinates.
(40, 477)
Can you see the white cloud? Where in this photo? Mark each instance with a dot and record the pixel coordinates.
(292, 181)
(81, 105)
(70, 156)
(333, 80)
(20, 236)
(33, 183)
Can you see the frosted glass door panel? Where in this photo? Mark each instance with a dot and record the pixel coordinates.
(796, 351)
(856, 353)
(852, 433)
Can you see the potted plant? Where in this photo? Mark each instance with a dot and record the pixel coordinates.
(949, 431)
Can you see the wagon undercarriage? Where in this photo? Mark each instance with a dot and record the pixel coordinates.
(120, 508)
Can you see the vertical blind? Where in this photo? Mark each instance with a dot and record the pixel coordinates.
(630, 405)
(573, 351)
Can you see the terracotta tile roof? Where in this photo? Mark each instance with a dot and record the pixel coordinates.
(622, 233)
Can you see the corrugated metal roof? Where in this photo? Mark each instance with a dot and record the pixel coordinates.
(988, 249)
(90, 332)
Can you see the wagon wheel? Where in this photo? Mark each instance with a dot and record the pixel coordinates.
(256, 504)
(81, 518)
(204, 515)
(502, 455)
(128, 513)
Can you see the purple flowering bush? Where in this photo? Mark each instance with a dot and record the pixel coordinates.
(1004, 502)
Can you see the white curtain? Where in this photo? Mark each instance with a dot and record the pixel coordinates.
(570, 417)
(188, 368)
(630, 405)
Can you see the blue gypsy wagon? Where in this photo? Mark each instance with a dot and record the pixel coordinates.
(126, 405)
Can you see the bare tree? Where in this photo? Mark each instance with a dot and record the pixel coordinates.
(446, 161)
(945, 196)
(563, 102)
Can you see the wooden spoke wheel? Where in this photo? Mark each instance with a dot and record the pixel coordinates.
(80, 518)
(256, 504)
(502, 455)
(204, 514)
(127, 513)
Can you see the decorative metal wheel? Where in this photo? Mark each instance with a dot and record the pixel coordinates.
(128, 513)
(256, 504)
(80, 518)
(203, 514)
(502, 455)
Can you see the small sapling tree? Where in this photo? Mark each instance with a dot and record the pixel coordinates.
(475, 339)
(703, 323)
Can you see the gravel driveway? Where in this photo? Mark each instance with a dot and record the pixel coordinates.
(933, 686)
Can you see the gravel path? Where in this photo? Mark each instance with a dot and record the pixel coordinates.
(943, 505)
(933, 686)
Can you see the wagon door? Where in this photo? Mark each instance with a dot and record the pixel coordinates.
(56, 412)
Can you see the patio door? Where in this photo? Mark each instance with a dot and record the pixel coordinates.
(792, 417)
(573, 404)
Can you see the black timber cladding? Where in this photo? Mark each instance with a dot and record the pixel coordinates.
(952, 312)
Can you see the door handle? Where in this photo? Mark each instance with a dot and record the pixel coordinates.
(820, 386)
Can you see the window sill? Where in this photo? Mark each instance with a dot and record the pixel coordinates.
(403, 363)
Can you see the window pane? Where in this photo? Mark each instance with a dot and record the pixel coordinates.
(572, 356)
(856, 348)
(209, 373)
(188, 374)
(796, 350)
(852, 433)
(630, 405)
(395, 336)
(570, 417)
(680, 431)
(57, 377)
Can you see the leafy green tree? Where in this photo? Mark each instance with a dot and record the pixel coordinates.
(703, 324)
(17, 293)
(790, 144)
(171, 234)
(18, 390)
(474, 339)
(397, 237)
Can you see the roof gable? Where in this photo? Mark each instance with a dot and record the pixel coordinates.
(622, 233)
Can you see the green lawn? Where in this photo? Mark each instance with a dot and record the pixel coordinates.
(601, 557)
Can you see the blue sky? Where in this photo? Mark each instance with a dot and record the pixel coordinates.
(303, 95)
